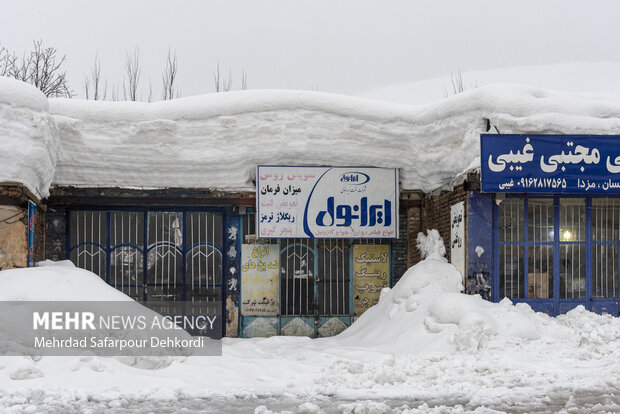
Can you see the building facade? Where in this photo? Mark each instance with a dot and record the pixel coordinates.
(164, 202)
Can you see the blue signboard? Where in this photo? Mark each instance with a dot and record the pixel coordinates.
(550, 163)
(31, 217)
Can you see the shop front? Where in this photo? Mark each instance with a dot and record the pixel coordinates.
(556, 219)
(305, 254)
(319, 249)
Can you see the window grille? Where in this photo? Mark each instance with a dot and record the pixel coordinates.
(182, 248)
(540, 248)
(605, 242)
(511, 249)
(315, 274)
(126, 253)
(204, 259)
(333, 279)
(88, 231)
(572, 248)
(249, 226)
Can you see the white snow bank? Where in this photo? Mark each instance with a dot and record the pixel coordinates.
(63, 282)
(581, 77)
(423, 342)
(48, 262)
(56, 281)
(21, 94)
(443, 342)
(426, 312)
(29, 143)
(216, 141)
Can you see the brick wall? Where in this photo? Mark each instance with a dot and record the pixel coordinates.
(414, 226)
(436, 213)
(400, 247)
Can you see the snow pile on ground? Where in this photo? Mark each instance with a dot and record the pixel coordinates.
(440, 339)
(426, 311)
(216, 140)
(29, 143)
(63, 282)
(580, 77)
(425, 347)
(56, 281)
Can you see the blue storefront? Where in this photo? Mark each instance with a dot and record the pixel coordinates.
(552, 206)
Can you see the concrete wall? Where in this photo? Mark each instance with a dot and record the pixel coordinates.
(14, 227)
(13, 237)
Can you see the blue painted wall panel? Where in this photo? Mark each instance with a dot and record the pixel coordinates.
(480, 244)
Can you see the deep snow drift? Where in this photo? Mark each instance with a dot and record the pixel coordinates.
(216, 140)
(29, 142)
(63, 282)
(424, 342)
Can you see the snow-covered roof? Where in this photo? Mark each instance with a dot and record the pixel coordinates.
(216, 140)
(29, 142)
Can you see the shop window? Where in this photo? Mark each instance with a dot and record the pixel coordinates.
(512, 248)
(605, 242)
(315, 276)
(540, 248)
(568, 244)
(572, 248)
(204, 259)
(151, 255)
(126, 259)
(88, 231)
(297, 276)
(526, 248)
(333, 283)
(248, 225)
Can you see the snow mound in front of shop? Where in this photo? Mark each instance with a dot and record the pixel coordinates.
(441, 341)
(29, 141)
(426, 311)
(56, 281)
(74, 289)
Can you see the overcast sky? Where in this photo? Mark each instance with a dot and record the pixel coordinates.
(336, 46)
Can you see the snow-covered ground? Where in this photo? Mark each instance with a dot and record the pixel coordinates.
(425, 347)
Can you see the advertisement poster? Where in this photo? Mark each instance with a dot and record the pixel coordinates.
(457, 236)
(327, 202)
(371, 273)
(259, 279)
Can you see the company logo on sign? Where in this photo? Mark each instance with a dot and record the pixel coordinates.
(344, 214)
(357, 178)
(330, 202)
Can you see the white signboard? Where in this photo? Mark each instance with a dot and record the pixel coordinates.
(457, 236)
(327, 202)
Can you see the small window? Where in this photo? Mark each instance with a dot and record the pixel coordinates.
(605, 242)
